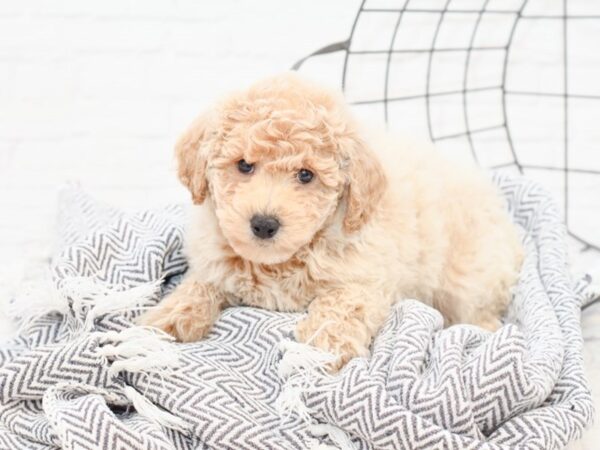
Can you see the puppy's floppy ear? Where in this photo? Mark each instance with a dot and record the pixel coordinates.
(192, 158)
(366, 185)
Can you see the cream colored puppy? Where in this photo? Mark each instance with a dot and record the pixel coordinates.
(296, 212)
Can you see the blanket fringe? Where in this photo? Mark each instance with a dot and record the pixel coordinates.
(148, 351)
(339, 437)
(153, 413)
(303, 360)
(301, 366)
(91, 298)
(34, 299)
(86, 298)
(139, 350)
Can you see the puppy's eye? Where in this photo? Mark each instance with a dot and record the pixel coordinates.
(304, 176)
(244, 167)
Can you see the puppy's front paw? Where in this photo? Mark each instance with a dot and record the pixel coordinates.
(489, 323)
(344, 339)
(186, 318)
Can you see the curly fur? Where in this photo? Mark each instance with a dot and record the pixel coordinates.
(359, 237)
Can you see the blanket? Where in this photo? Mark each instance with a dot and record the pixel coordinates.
(81, 375)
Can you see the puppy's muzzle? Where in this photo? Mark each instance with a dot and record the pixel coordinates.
(264, 227)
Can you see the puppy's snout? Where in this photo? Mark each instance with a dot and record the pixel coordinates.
(264, 227)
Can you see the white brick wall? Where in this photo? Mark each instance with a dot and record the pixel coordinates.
(98, 91)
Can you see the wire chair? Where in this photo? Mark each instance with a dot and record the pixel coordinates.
(403, 41)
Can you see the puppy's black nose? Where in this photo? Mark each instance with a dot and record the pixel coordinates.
(264, 227)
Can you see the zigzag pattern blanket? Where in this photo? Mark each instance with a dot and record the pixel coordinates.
(79, 376)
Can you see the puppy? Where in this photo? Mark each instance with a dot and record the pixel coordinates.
(299, 214)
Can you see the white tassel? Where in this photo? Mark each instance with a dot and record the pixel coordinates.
(88, 297)
(290, 402)
(337, 435)
(301, 366)
(305, 370)
(35, 299)
(303, 359)
(142, 350)
(139, 350)
(150, 411)
(101, 298)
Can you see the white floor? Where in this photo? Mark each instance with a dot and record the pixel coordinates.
(97, 92)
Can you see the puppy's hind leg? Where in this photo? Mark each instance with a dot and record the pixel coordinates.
(475, 300)
(188, 313)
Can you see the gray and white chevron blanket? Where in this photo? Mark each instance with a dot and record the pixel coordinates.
(81, 376)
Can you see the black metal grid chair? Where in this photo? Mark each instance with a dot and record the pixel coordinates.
(563, 22)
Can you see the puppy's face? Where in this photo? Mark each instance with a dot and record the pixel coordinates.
(277, 160)
(274, 184)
